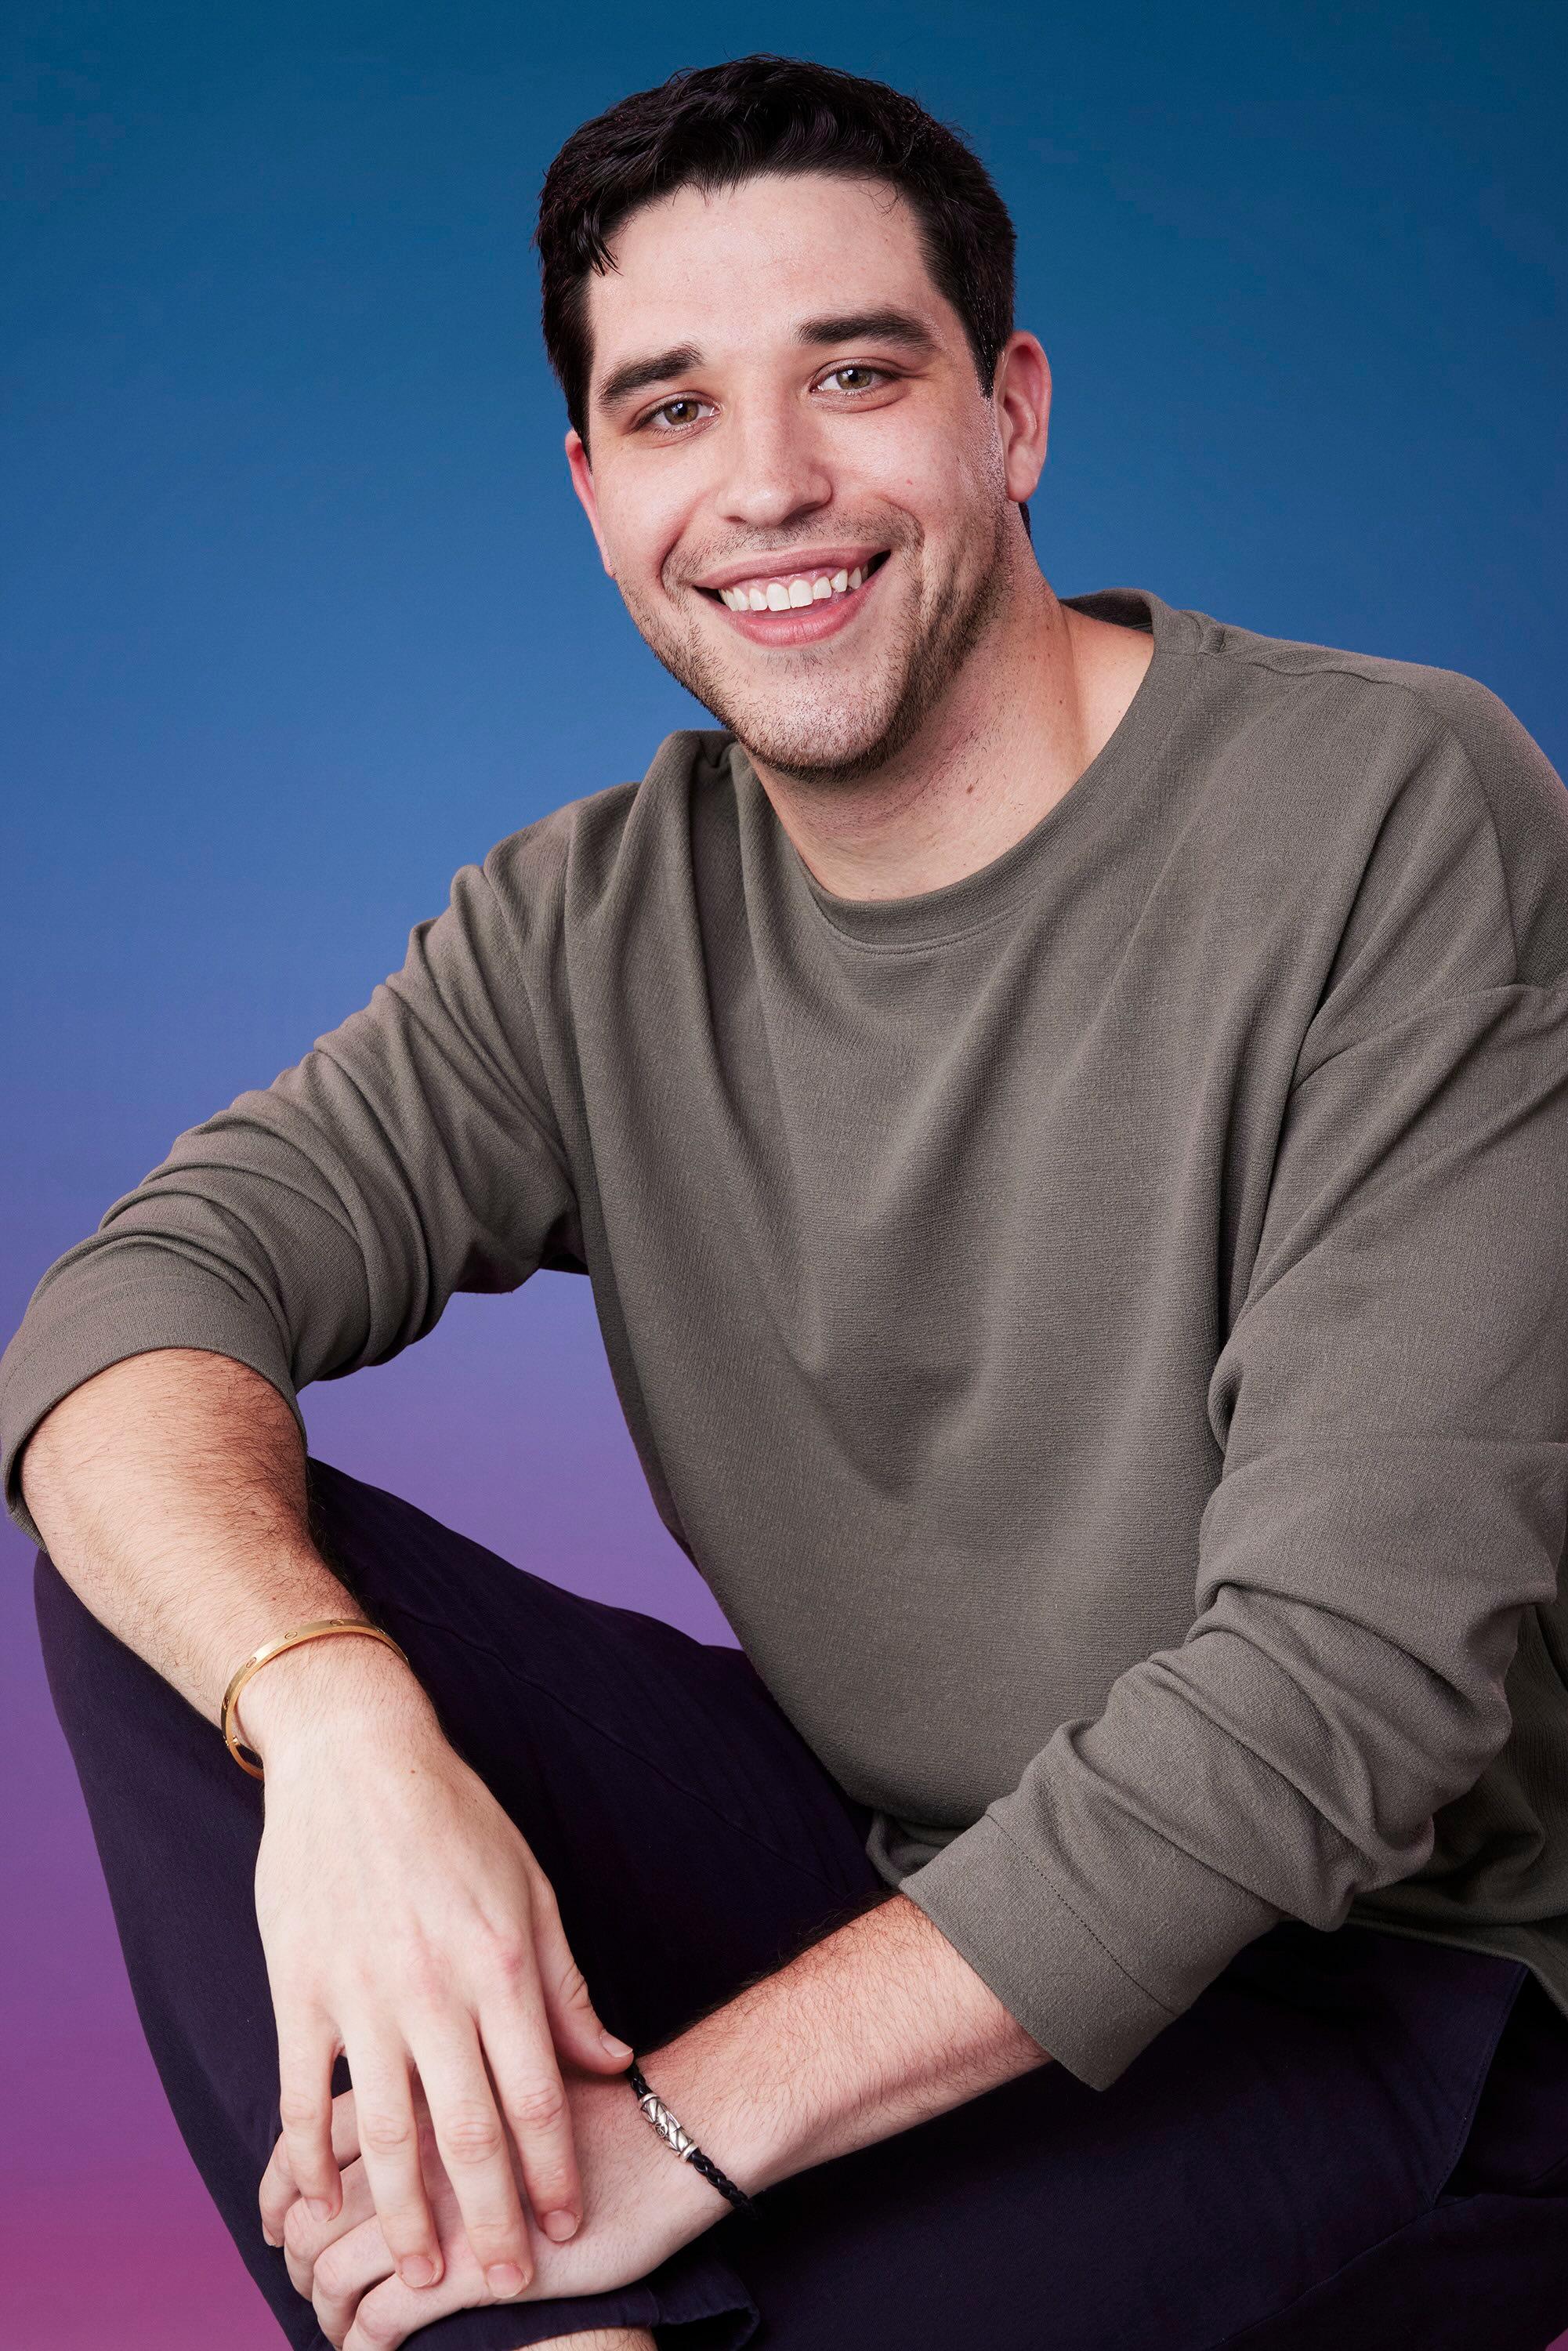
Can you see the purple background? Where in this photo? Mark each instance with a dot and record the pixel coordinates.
(299, 616)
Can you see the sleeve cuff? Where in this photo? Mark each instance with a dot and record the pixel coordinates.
(1046, 1967)
(112, 1307)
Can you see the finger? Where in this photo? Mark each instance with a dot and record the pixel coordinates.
(345, 2272)
(278, 2192)
(532, 2098)
(575, 2025)
(471, 2138)
(387, 2132)
(307, 2050)
(388, 2315)
(304, 2239)
(280, 2189)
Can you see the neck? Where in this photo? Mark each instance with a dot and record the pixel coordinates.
(1038, 699)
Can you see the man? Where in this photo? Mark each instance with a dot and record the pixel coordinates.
(1064, 1106)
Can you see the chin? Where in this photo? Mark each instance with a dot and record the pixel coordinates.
(838, 733)
(831, 745)
(797, 722)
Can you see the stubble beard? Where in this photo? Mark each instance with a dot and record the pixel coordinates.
(819, 730)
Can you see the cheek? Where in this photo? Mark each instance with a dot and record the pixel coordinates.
(940, 479)
(641, 521)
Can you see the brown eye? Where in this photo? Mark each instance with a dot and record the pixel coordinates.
(851, 377)
(674, 413)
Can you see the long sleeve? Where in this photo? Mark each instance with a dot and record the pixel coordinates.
(1391, 1399)
(323, 1223)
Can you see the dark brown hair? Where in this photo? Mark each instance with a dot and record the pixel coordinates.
(714, 126)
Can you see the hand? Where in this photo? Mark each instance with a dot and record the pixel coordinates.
(641, 2206)
(406, 1922)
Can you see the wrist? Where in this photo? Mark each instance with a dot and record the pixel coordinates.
(686, 2199)
(748, 2136)
(342, 1684)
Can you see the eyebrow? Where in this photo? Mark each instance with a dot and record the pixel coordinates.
(849, 327)
(638, 374)
(868, 326)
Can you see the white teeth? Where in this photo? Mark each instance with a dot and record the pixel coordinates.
(791, 595)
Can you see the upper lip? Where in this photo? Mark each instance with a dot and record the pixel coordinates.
(787, 565)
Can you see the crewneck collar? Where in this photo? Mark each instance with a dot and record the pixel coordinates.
(933, 916)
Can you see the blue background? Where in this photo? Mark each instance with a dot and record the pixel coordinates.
(300, 615)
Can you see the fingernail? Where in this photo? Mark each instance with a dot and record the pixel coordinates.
(318, 2208)
(616, 2048)
(561, 2226)
(504, 2278)
(417, 2270)
(271, 2240)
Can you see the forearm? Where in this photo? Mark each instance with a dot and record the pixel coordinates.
(170, 1491)
(877, 2027)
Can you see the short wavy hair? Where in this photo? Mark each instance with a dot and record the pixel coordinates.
(714, 126)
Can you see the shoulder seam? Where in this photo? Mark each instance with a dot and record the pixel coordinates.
(1476, 777)
(1348, 668)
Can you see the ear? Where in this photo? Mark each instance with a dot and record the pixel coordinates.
(581, 474)
(1022, 396)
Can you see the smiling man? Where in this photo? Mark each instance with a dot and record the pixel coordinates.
(1065, 1106)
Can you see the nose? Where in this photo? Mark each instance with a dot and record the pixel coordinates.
(774, 466)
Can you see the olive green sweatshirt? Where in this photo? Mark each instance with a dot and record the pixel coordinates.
(1100, 1328)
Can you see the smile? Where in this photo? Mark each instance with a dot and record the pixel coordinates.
(794, 589)
(794, 607)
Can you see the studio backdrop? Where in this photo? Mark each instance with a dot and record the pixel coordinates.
(300, 615)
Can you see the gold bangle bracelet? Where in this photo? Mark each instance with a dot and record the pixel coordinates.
(265, 1655)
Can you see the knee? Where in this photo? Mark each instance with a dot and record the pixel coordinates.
(383, 1549)
(392, 1556)
(67, 1625)
(126, 1727)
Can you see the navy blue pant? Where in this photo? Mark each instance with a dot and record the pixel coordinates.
(1350, 2140)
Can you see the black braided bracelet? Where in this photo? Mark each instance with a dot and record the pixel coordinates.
(688, 2150)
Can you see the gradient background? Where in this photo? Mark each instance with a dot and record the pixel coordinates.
(300, 615)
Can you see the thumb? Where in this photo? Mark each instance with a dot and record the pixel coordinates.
(575, 2026)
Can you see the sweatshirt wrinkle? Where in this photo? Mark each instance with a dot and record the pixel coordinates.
(1100, 1327)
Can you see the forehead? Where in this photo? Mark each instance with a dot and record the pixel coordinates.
(729, 268)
